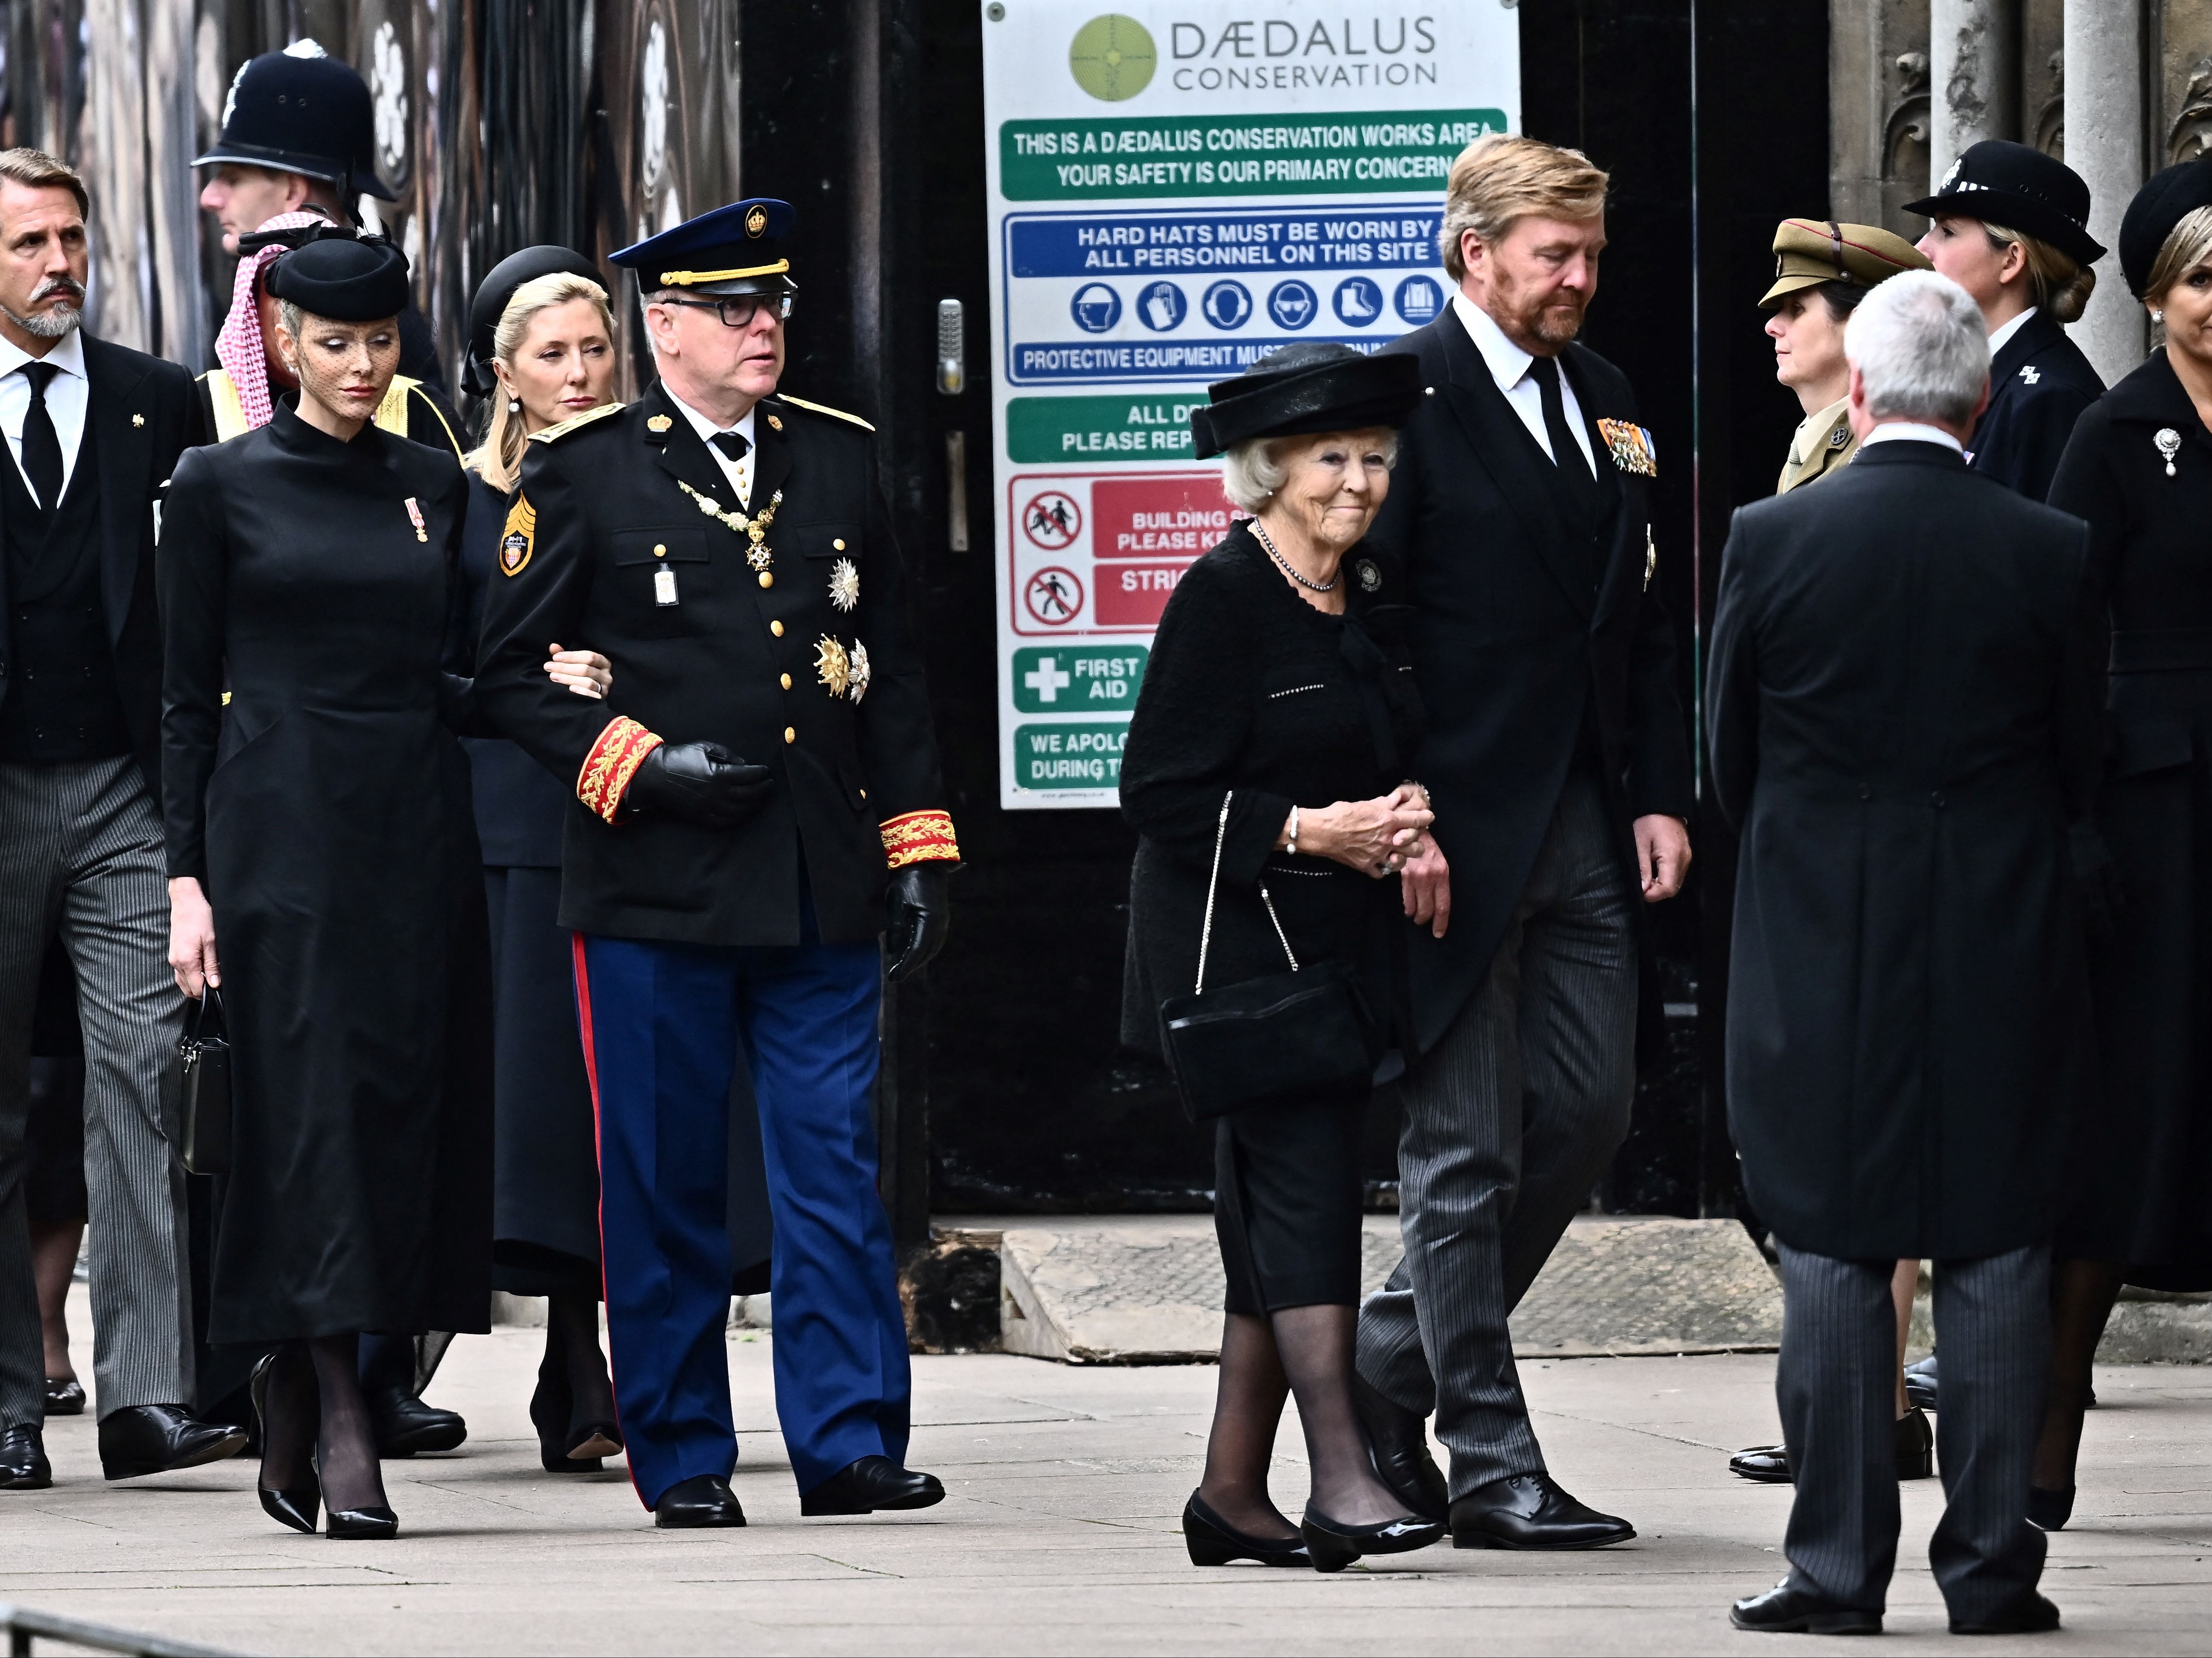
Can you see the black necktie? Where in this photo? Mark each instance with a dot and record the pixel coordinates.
(732, 444)
(1574, 471)
(42, 445)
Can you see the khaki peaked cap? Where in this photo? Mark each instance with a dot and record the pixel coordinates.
(1810, 252)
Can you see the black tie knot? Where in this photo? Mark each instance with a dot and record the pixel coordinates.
(40, 375)
(732, 444)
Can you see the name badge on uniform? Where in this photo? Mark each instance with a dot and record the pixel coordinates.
(1634, 450)
(664, 585)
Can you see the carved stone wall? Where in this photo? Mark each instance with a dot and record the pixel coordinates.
(2181, 101)
(1878, 108)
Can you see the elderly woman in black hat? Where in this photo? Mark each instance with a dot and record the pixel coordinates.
(1264, 771)
(2012, 229)
(2139, 470)
(321, 847)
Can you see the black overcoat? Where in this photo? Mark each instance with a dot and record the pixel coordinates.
(2142, 1173)
(762, 666)
(325, 808)
(1903, 708)
(1517, 640)
(2040, 384)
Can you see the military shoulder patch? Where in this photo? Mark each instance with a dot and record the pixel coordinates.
(554, 434)
(823, 409)
(519, 538)
(1631, 447)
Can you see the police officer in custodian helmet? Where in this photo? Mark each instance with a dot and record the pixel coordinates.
(769, 775)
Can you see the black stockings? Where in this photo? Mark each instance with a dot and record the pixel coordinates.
(289, 1422)
(2082, 1296)
(572, 1340)
(1306, 1350)
(345, 1444)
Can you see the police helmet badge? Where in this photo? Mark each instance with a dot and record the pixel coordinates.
(515, 545)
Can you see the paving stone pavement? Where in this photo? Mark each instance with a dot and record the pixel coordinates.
(1059, 1535)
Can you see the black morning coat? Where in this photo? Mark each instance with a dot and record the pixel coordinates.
(1517, 642)
(142, 413)
(1902, 707)
(2142, 1170)
(731, 661)
(2040, 384)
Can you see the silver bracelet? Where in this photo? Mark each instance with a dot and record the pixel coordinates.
(1293, 846)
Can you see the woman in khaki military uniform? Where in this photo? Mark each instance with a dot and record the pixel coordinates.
(1822, 270)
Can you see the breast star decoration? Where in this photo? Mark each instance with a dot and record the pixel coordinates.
(861, 672)
(844, 584)
(832, 667)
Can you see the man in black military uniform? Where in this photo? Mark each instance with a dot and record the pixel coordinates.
(769, 775)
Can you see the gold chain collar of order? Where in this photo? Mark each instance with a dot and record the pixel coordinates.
(760, 554)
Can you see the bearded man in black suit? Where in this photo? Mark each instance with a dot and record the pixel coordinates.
(1559, 762)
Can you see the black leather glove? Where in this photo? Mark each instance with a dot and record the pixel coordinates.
(699, 783)
(920, 902)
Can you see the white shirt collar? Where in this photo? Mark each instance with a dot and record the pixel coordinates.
(68, 355)
(1911, 431)
(1508, 362)
(1998, 340)
(707, 429)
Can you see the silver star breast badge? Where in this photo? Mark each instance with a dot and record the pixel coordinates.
(844, 584)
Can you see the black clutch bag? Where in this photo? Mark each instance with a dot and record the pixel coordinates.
(1294, 1032)
(204, 1058)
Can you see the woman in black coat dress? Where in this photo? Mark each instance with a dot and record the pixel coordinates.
(2139, 469)
(1272, 724)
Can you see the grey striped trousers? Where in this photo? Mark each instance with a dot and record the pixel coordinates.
(1835, 1383)
(81, 851)
(1508, 1122)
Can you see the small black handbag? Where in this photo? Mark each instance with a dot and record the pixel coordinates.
(205, 1064)
(1296, 1032)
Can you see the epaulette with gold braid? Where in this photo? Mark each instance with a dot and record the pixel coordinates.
(823, 409)
(553, 433)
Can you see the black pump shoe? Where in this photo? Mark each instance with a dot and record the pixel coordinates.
(297, 1507)
(356, 1524)
(1334, 1546)
(2049, 1511)
(65, 1396)
(1212, 1541)
(548, 1414)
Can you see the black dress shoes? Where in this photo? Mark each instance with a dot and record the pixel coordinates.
(694, 1505)
(1785, 1611)
(1334, 1546)
(872, 1483)
(1915, 1454)
(143, 1439)
(406, 1426)
(1398, 1442)
(23, 1465)
(1530, 1511)
(2033, 1614)
(2049, 1511)
(1212, 1541)
(65, 1396)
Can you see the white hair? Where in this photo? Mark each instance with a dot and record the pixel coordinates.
(1920, 346)
(1250, 472)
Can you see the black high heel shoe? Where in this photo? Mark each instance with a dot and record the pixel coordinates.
(296, 1508)
(356, 1523)
(548, 1414)
(1212, 1541)
(1334, 1546)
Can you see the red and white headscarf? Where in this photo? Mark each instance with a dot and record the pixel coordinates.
(239, 347)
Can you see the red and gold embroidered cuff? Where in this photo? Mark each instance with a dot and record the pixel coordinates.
(612, 763)
(919, 837)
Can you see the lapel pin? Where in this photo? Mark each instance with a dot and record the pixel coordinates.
(776, 424)
(2169, 444)
(137, 419)
(658, 423)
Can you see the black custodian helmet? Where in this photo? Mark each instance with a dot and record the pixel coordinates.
(301, 111)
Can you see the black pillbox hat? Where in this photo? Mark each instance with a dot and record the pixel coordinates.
(2172, 194)
(345, 279)
(1315, 387)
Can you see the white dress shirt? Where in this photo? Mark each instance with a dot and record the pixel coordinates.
(1910, 431)
(739, 472)
(68, 396)
(1509, 367)
(1998, 340)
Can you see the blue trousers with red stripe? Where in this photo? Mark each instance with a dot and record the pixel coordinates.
(662, 1023)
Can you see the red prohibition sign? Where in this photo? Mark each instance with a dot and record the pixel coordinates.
(1052, 520)
(1054, 596)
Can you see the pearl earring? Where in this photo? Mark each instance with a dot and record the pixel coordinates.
(514, 405)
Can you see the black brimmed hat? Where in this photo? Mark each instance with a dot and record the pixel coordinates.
(300, 111)
(2018, 186)
(345, 279)
(1317, 387)
(733, 250)
(497, 289)
(2172, 194)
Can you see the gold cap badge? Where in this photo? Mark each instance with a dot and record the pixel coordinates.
(658, 423)
(756, 222)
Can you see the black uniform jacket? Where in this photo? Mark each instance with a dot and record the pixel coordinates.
(2142, 1170)
(2040, 384)
(141, 416)
(520, 806)
(1903, 714)
(1517, 642)
(805, 666)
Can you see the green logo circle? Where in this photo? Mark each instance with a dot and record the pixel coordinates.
(1112, 58)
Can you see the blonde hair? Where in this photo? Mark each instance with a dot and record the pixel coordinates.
(2188, 245)
(498, 458)
(2059, 286)
(1507, 177)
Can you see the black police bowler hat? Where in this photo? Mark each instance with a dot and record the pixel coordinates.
(300, 111)
(732, 250)
(2018, 186)
(491, 299)
(1315, 387)
(345, 279)
(2172, 194)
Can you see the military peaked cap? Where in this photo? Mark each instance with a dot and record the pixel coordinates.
(1810, 252)
(733, 250)
(1315, 387)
